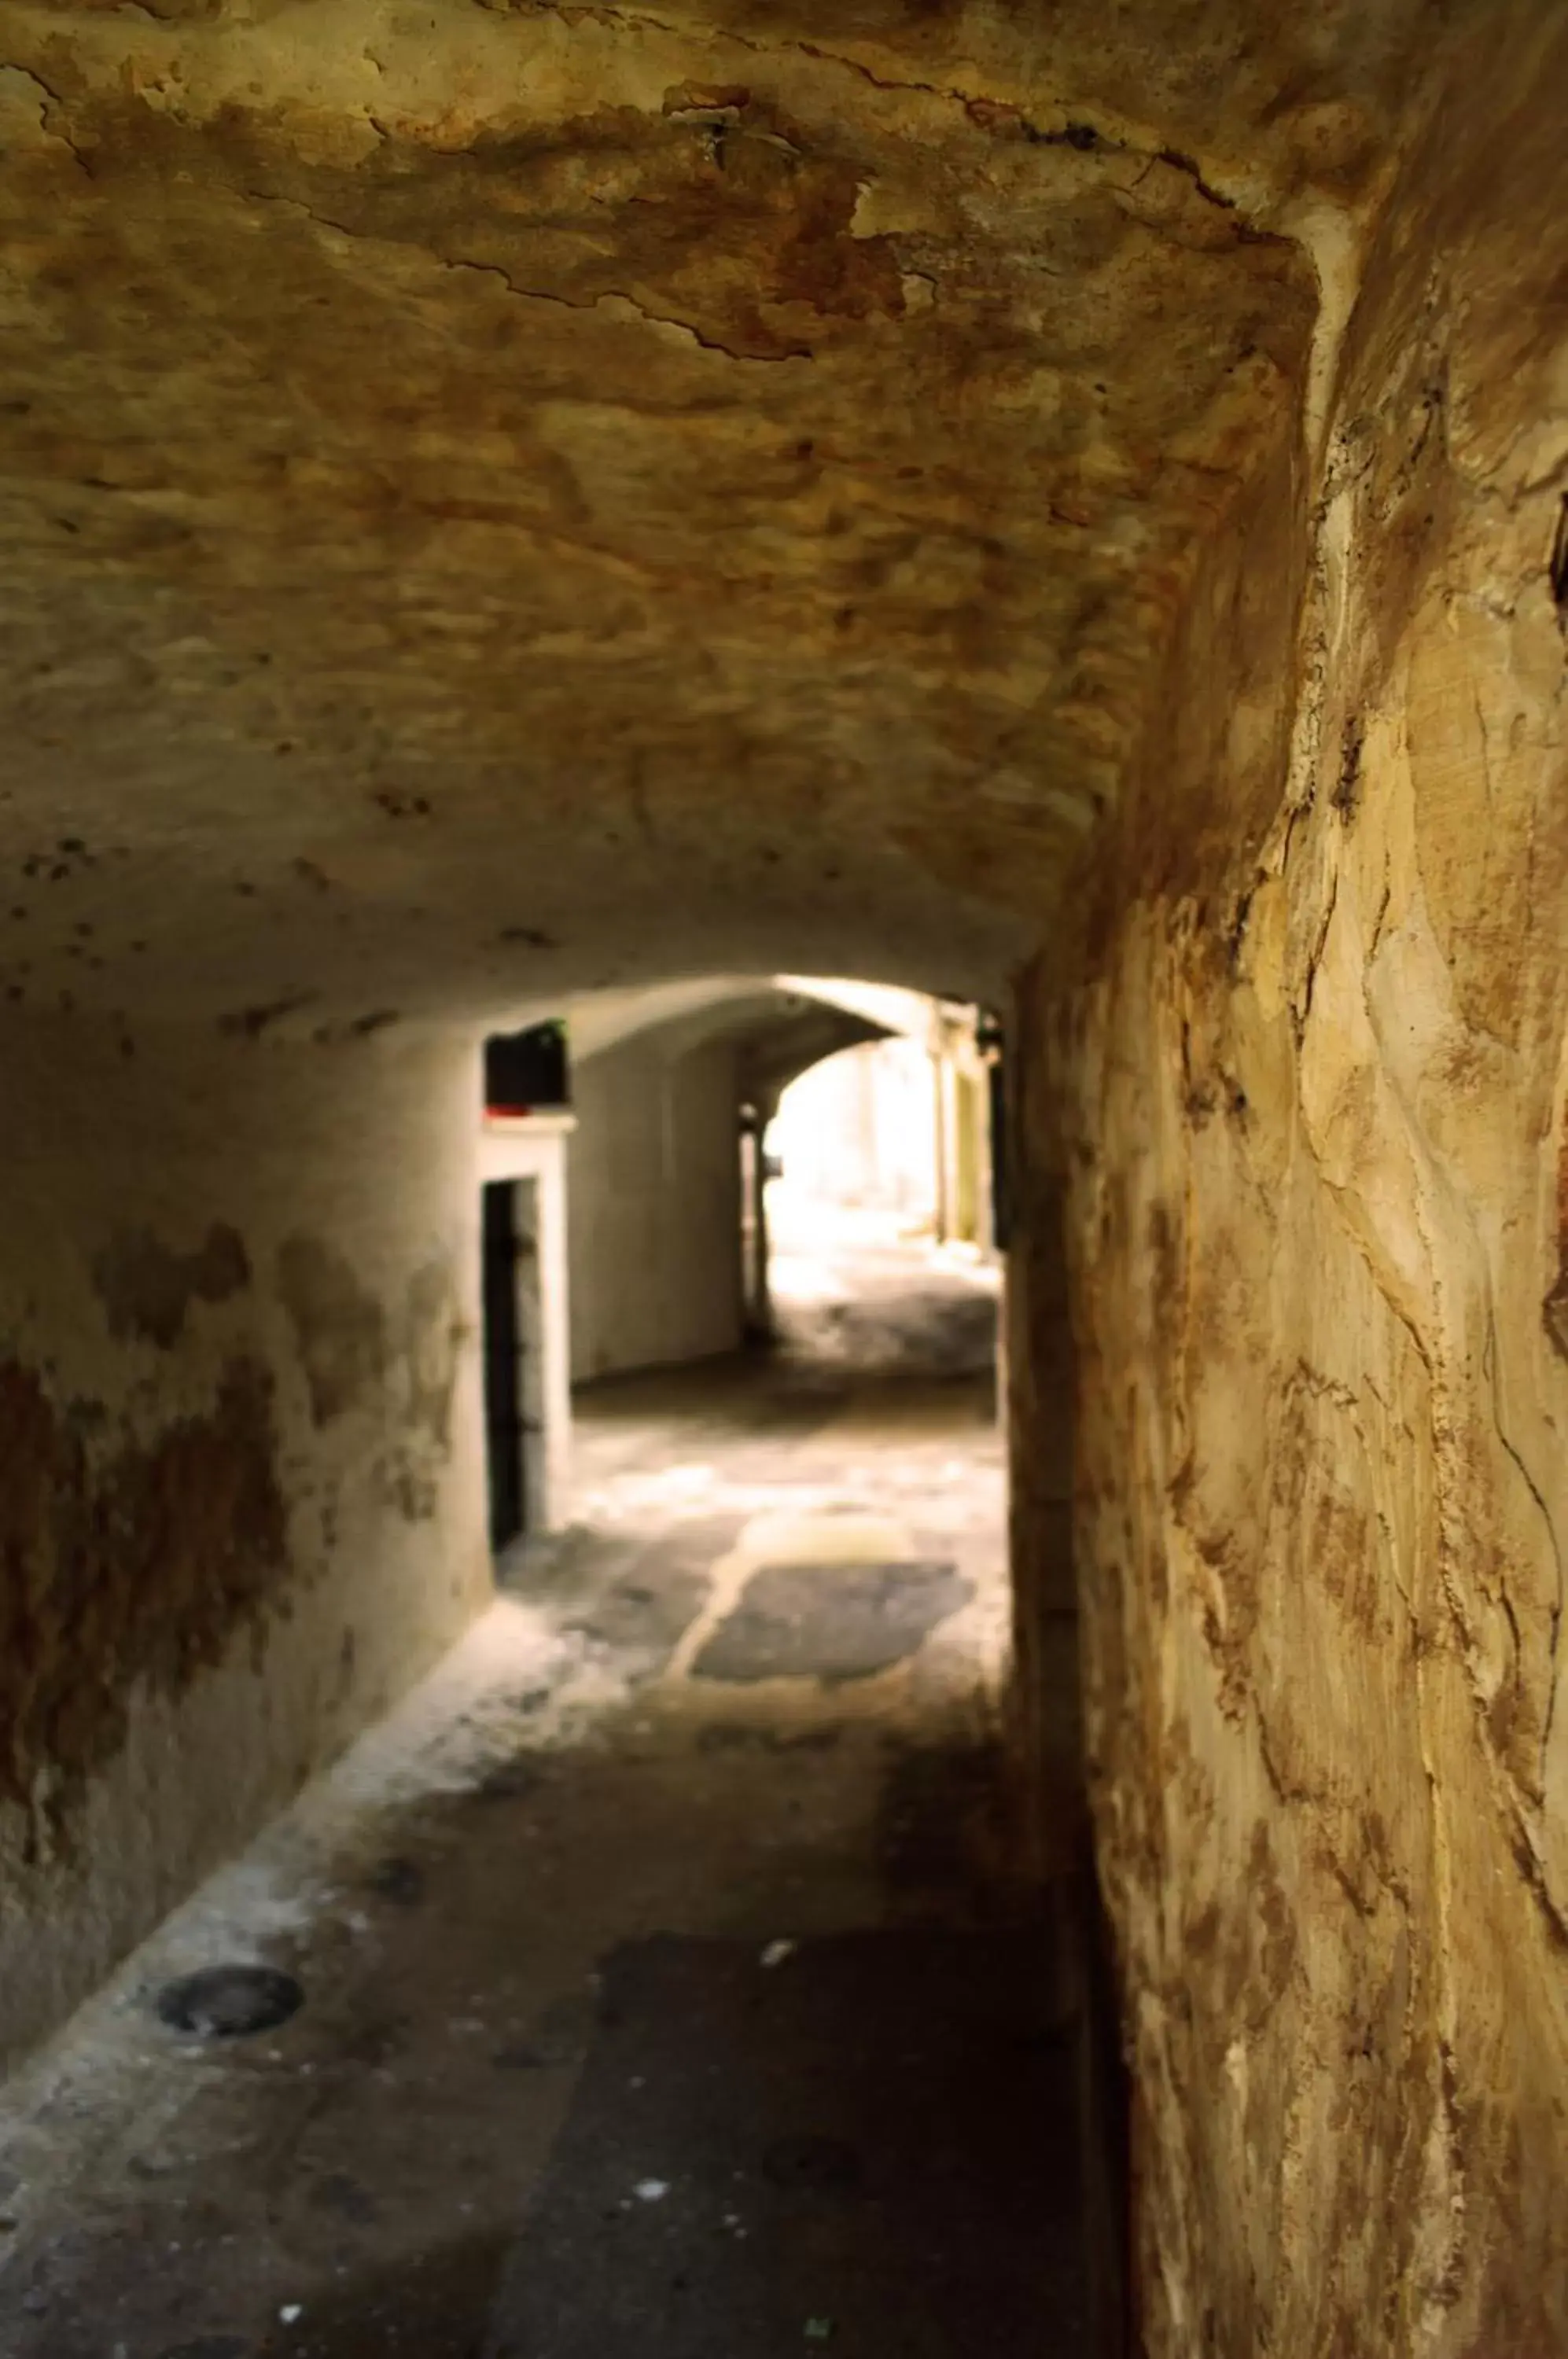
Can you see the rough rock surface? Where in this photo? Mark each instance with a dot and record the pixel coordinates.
(1314, 1085)
(506, 498)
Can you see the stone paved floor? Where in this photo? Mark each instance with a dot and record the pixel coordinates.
(666, 1989)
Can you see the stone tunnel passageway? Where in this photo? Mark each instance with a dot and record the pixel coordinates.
(510, 506)
(668, 1984)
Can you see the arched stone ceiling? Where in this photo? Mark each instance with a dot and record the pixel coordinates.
(604, 1019)
(778, 1033)
(505, 501)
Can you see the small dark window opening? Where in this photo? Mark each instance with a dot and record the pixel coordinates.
(525, 1071)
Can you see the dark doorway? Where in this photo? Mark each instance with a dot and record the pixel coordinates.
(503, 1386)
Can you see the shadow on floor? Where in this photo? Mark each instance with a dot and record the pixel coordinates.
(545, 2099)
(842, 2146)
(441, 2155)
(862, 2145)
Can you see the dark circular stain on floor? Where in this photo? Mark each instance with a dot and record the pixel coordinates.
(230, 2002)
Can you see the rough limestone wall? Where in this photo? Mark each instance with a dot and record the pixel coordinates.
(241, 1485)
(653, 1184)
(1312, 1097)
(1038, 1371)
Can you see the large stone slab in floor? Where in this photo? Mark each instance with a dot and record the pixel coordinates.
(867, 2149)
(830, 1622)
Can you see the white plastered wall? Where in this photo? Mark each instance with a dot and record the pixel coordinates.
(241, 1461)
(655, 1205)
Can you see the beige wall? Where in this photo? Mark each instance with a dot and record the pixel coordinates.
(241, 1475)
(1310, 1105)
(654, 1205)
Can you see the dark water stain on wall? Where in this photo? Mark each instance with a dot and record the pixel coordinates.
(432, 1331)
(409, 1485)
(400, 1362)
(147, 1290)
(340, 1327)
(121, 1567)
